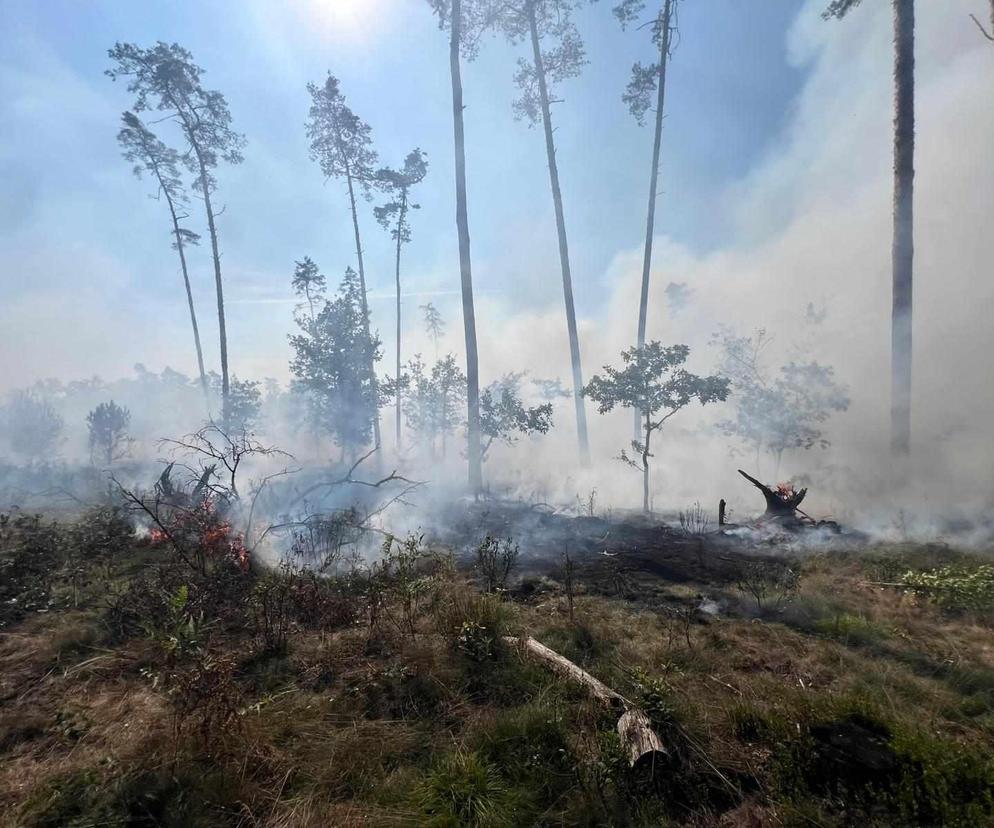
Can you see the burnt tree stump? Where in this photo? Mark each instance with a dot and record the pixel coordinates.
(777, 506)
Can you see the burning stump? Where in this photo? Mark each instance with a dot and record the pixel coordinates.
(782, 506)
(781, 502)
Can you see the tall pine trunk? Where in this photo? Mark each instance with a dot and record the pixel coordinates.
(222, 329)
(189, 299)
(362, 287)
(902, 255)
(400, 238)
(180, 248)
(650, 222)
(465, 268)
(557, 199)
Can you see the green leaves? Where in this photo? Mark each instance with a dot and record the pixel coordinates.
(839, 9)
(640, 89)
(164, 77)
(503, 416)
(398, 183)
(654, 380)
(333, 366)
(341, 142)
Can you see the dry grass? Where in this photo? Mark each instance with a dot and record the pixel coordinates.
(376, 724)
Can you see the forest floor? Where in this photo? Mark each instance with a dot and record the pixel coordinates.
(789, 687)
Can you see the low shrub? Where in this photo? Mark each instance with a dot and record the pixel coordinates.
(463, 790)
(955, 588)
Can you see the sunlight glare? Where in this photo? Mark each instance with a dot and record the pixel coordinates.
(351, 20)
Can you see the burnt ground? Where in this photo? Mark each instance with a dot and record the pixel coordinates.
(633, 556)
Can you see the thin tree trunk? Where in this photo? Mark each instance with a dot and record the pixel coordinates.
(189, 129)
(362, 287)
(465, 268)
(186, 277)
(400, 228)
(557, 199)
(645, 465)
(650, 222)
(903, 245)
(189, 300)
(222, 329)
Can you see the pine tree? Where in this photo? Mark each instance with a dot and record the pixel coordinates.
(645, 82)
(165, 78)
(149, 154)
(342, 144)
(333, 367)
(537, 21)
(902, 245)
(393, 216)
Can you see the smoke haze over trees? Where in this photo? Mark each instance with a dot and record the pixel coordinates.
(775, 203)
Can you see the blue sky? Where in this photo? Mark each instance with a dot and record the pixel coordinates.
(75, 221)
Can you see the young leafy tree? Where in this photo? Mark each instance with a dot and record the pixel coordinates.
(33, 428)
(434, 324)
(342, 144)
(504, 417)
(646, 82)
(465, 20)
(654, 382)
(108, 426)
(551, 390)
(309, 283)
(777, 411)
(165, 78)
(244, 406)
(393, 216)
(537, 21)
(433, 399)
(333, 368)
(149, 154)
(902, 249)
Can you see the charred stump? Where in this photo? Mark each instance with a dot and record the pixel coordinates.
(779, 504)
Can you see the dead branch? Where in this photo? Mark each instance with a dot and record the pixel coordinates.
(983, 31)
(638, 739)
(348, 480)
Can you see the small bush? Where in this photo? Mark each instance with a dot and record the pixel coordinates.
(31, 554)
(754, 726)
(476, 642)
(531, 746)
(654, 696)
(103, 535)
(771, 583)
(955, 588)
(495, 561)
(464, 790)
(271, 604)
(851, 629)
(694, 521)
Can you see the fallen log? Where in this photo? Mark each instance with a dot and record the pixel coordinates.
(638, 739)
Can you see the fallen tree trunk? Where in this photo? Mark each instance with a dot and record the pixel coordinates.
(638, 739)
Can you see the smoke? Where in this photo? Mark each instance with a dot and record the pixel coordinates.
(814, 227)
(809, 261)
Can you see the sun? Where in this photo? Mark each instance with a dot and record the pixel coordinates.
(346, 19)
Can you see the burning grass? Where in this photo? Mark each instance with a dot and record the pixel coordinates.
(139, 693)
